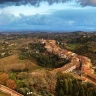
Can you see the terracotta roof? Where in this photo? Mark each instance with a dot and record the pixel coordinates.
(65, 67)
(92, 75)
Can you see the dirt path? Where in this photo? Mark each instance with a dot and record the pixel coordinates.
(9, 91)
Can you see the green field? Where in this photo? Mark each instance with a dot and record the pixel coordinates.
(4, 94)
(13, 62)
(72, 46)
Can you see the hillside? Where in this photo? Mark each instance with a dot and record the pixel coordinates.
(14, 63)
(38, 63)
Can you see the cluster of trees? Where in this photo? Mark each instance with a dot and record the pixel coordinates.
(43, 58)
(87, 51)
(16, 81)
(42, 84)
(5, 80)
(47, 60)
(51, 61)
(23, 55)
(67, 85)
(47, 84)
(34, 48)
(37, 47)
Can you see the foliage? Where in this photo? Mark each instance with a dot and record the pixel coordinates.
(49, 60)
(3, 78)
(67, 85)
(88, 51)
(37, 47)
(11, 84)
(19, 70)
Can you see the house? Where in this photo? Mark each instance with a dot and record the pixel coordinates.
(73, 54)
(69, 68)
(86, 65)
(62, 55)
(43, 41)
(2, 54)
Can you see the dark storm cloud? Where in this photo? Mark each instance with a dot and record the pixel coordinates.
(32, 2)
(37, 2)
(50, 2)
(87, 2)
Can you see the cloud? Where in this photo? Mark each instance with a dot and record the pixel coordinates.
(87, 2)
(69, 19)
(58, 18)
(37, 2)
(31, 2)
(6, 18)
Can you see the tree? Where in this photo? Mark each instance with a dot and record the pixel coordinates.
(70, 86)
(11, 84)
(12, 76)
(3, 78)
(61, 93)
(81, 91)
(65, 86)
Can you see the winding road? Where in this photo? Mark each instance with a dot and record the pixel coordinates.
(9, 91)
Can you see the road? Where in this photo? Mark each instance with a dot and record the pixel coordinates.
(75, 61)
(9, 91)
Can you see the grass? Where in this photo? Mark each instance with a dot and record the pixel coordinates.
(13, 62)
(4, 94)
(72, 46)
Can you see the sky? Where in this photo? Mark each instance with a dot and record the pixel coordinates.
(48, 15)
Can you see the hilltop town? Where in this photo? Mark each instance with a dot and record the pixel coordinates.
(80, 65)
